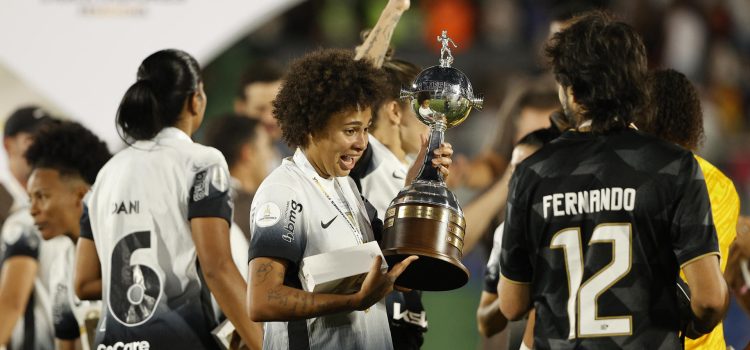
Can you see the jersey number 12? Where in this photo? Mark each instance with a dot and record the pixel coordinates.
(584, 296)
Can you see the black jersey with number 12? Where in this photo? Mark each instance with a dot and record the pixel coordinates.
(599, 225)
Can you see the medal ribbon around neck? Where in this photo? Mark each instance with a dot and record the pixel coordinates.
(301, 160)
(357, 234)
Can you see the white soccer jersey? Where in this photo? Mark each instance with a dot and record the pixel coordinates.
(294, 216)
(34, 330)
(16, 191)
(68, 312)
(384, 178)
(140, 211)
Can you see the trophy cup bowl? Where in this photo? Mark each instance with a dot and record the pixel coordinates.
(425, 219)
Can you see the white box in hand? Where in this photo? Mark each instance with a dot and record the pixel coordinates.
(340, 271)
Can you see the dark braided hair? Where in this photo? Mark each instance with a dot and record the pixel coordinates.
(166, 79)
(676, 114)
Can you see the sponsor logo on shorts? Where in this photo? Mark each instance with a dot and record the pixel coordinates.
(267, 215)
(136, 345)
(415, 318)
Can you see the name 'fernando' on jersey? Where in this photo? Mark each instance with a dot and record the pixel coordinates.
(140, 212)
(599, 225)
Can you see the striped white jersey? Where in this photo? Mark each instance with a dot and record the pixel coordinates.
(296, 214)
(34, 330)
(140, 211)
(384, 178)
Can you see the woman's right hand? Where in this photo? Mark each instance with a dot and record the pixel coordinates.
(378, 284)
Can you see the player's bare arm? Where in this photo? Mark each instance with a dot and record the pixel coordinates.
(16, 283)
(515, 298)
(270, 300)
(709, 294)
(376, 44)
(211, 237)
(490, 320)
(738, 255)
(88, 275)
(480, 212)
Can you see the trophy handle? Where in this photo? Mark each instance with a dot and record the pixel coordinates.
(477, 102)
(429, 172)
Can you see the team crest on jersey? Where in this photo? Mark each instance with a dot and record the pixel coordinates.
(268, 215)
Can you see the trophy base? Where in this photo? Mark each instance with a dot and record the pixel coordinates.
(431, 272)
(435, 234)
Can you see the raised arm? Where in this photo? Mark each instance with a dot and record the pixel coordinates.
(270, 300)
(211, 237)
(480, 212)
(376, 44)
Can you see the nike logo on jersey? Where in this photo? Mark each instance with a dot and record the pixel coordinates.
(325, 225)
(397, 174)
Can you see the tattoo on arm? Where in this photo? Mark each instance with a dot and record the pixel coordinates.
(277, 294)
(297, 302)
(263, 271)
(376, 44)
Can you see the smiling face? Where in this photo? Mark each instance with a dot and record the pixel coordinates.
(334, 150)
(56, 202)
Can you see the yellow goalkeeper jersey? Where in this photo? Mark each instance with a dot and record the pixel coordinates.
(725, 209)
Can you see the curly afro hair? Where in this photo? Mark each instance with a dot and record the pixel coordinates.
(604, 63)
(69, 148)
(320, 85)
(676, 114)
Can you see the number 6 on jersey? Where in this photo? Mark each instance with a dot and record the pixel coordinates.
(134, 287)
(585, 296)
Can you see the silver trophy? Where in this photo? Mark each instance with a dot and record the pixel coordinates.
(425, 218)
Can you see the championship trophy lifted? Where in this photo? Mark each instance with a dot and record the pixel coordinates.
(425, 218)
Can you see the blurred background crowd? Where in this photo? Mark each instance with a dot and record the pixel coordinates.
(499, 49)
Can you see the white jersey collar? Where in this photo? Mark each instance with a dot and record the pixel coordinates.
(171, 132)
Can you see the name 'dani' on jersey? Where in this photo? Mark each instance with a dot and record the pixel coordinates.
(592, 201)
(126, 207)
